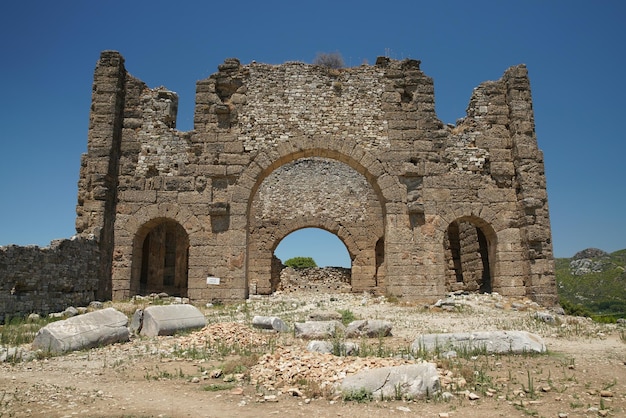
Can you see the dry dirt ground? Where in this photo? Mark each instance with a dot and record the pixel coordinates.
(267, 374)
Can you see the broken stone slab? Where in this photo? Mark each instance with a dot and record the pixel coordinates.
(324, 316)
(70, 312)
(545, 317)
(103, 327)
(502, 342)
(269, 322)
(95, 304)
(317, 330)
(411, 381)
(318, 346)
(166, 320)
(371, 328)
(450, 301)
(15, 354)
(327, 347)
(136, 321)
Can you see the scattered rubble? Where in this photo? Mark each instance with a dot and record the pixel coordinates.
(281, 369)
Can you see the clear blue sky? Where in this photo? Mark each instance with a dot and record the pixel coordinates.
(574, 51)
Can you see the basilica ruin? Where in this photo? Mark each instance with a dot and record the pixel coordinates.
(423, 208)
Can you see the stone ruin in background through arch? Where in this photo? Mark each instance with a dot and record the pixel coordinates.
(423, 208)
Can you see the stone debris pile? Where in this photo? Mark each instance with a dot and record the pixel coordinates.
(226, 334)
(327, 279)
(458, 299)
(287, 367)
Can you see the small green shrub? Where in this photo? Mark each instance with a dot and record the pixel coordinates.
(347, 316)
(574, 309)
(301, 262)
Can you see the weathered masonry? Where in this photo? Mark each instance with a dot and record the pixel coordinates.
(423, 208)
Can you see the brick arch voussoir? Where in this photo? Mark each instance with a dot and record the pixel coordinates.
(490, 216)
(348, 152)
(448, 216)
(151, 215)
(485, 226)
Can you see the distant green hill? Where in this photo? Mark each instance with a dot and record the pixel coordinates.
(593, 283)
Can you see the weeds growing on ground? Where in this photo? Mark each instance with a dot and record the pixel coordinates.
(216, 387)
(19, 330)
(315, 389)
(360, 395)
(347, 316)
(164, 374)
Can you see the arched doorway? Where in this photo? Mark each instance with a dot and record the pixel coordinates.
(161, 257)
(333, 271)
(318, 192)
(470, 245)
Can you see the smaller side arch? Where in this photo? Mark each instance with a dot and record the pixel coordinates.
(470, 251)
(133, 224)
(160, 260)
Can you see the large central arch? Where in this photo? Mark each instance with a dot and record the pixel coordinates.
(314, 192)
(320, 188)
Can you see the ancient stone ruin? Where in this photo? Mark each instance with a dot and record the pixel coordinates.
(422, 207)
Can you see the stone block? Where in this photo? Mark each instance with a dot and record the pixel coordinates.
(167, 320)
(317, 330)
(498, 342)
(372, 328)
(145, 196)
(502, 168)
(93, 329)
(269, 322)
(407, 382)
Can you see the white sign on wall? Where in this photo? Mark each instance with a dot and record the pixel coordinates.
(212, 280)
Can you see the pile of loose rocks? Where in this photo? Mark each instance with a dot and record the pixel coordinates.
(224, 334)
(327, 279)
(287, 367)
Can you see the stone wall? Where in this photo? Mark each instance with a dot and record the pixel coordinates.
(49, 279)
(357, 151)
(338, 192)
(315, 279)
(344, 108)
